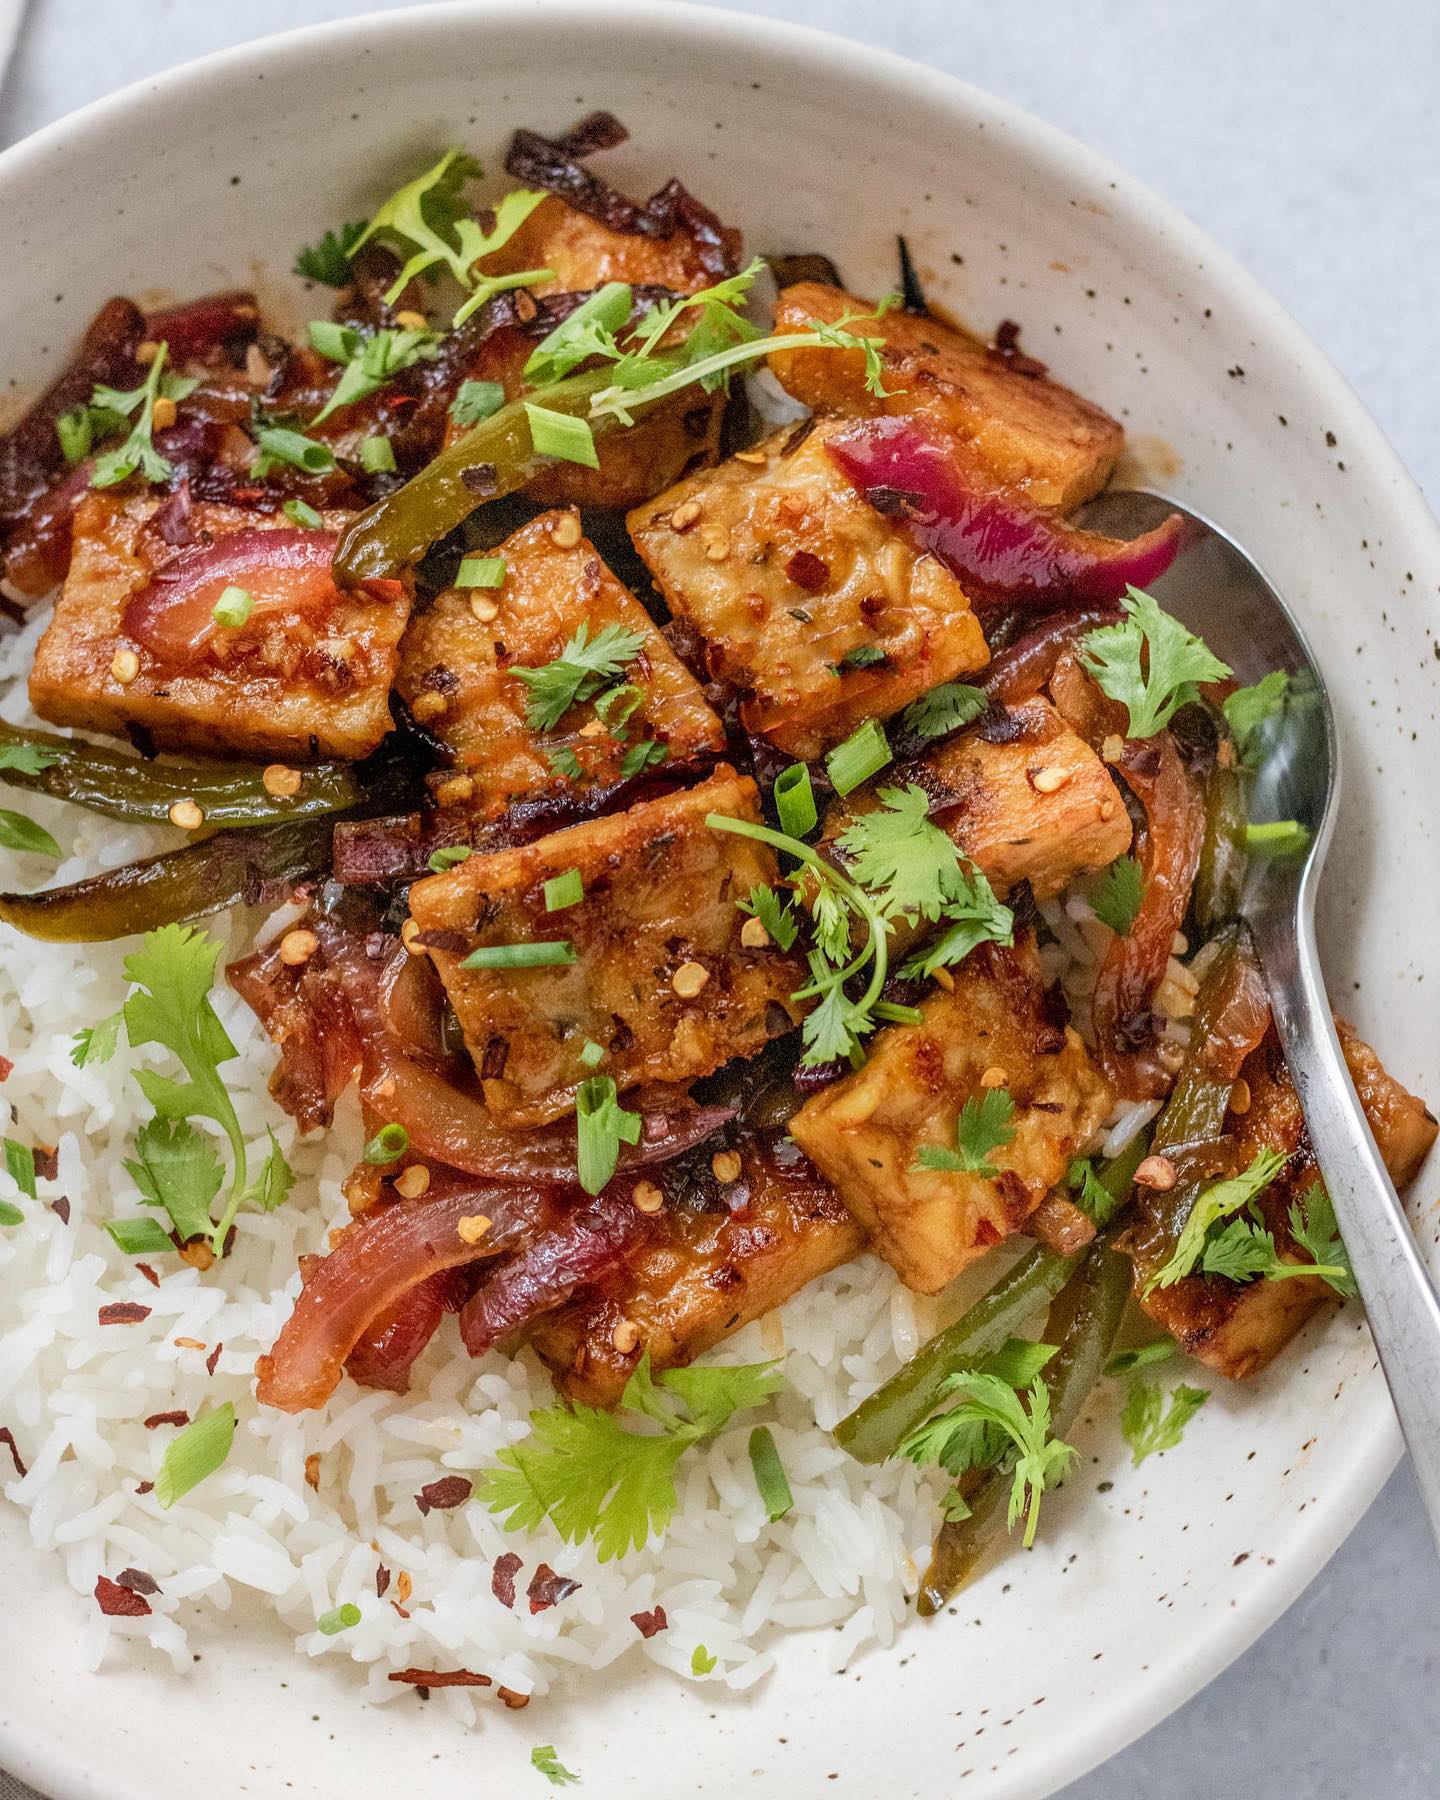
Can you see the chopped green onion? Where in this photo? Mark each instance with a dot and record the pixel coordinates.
(388, 1145)
(300, 512)
(564, 890)
(1282, 837)
(863, 754)
(233, 608)
(76, 432)
(795, 801)
(336, 342)
(140, 1237)
(10, 1215)
(20, 1166)
(476, 401)
(481, 572)
(339, 1618)
(897, 1015)
(377, 456)
(770, 1475)
(450, 857)
(521, 956)
(561, 436)
(278, 444)
(592, 1055)
(194, 1453)
(601, 1126)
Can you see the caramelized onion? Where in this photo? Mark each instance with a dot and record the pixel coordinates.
(996, 546)
(390, 1344)
(285, 572)
(376, 1263)
(1022, 669)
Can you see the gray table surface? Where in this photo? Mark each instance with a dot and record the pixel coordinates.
(1302, 134)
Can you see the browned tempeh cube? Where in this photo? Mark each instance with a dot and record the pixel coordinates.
(866, 1130)
(455, 673)
(660, 981)
(1026, 432)
(810, 600)
(134, 643)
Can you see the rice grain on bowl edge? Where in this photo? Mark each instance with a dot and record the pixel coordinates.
(77, 1394)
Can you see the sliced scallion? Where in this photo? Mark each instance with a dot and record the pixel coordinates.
(897, 1015)
(863, 754)
(481, 572)
(795, 801)
(377, 456)
(388, 1145)
(339, 1618)
(194, 1453)
(140, 1237)
(770, 1475)
(564, 890)
(592, 1055)
(559, 435)
(278, 444)
(449, 858)
(300, 512)
(233, 608)
(548, 954)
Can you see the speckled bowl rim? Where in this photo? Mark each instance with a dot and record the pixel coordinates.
(63, 1768)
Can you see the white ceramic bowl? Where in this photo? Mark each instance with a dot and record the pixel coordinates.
(1134, 1596)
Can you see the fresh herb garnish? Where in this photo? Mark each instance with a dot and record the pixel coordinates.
(300, 512)
(648, 754)
(377, 456)
(1126, 1362)
(582, 668)
(373, 362)
(587, 332)
(1248, 708)
(194, 1452)
(592, 1478)
(601, 1126)
(1244, 1249)
(549, 953)
(388, 1145)
(795, 801)
(339, 1618)
(450, 857)
(701, 1661)
(1118, 894)
(770, 1477)
(1091, 1194)
(561, 435)
(173, 972)
(1149, 663)
(278, 445)
(137, 455)
(566, 763)
(863, 656)
(140, 1237)
(20, 1166)
(328, 262)
(233, 608)
(543, 1758)
(944, 709)
(19, 833)
(475, 401)
(1213, 1204)
(1149, 1424)
(480, 572)
(775, 914)
(27, 759)
(984, 1125)
(591, 1054)
(1281, 837)
(563, 891)
(863, 754)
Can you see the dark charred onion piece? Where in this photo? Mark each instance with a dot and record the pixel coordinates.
(123, 787)
(789, 269)
(228, 869)
(1125, 1026)
(377, 1262)
(585, 1246)
(198, 328)
(1022, 669)
(387, 1349)
(303, 1010)
(285, 572)
(997, 547)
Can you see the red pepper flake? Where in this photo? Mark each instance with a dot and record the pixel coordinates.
(7, 1437)
(647, 1624)
(502, 1577)
(548, 1589)
(47, 1162)
(212, 1359)
(433, 1678)
(382, 1581)
(440, 1496)
(400, 1609)
(145, 1487)
(808, 571)
(178, 1417)
(138, 1581)
(7, 1068)
(118, 1602)
(60, 1206)
(148, 1273)
(123, 1312)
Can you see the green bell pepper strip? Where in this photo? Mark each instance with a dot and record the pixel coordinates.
(1085, 1319)
(123, 787)
(1221, 874)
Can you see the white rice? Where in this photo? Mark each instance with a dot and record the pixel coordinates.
(76, 1394)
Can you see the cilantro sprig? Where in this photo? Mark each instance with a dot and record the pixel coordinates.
(1213, 1205)
(109, 409)
(328, 261)
(1117, 896)
(581, 670)
(983, 1125)
(1149, 1423)
(369, 363)
(591, 1477)
(1243, 1249)
(1149, 663)
(944, 709)
(175, 1167)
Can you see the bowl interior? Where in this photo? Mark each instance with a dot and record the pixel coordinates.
(1144, 1582)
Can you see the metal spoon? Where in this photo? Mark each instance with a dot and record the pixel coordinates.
(1219, 593)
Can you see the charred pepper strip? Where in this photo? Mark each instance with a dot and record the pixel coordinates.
(496, 456)
(1085, 1320)
(202, 878)
(122, 787)
(873, 1430)
(1221, 875)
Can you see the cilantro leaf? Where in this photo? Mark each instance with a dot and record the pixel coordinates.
(775, 914)
(1149, 663)
(1313, 1226)
(328, 262)
(271, 1187)
(1149, 1424)
(1213, 1204)
(835, 1029)
(909, 865)
(1091, 1194)
(19, 833)
(1117, 898)
(27, 759)
(601, 1125)
(566, 763)
(592, 1478)
(945, 709)
(647, 754)
(582, 668)
(475, 401)
(701, 1661)
(20, 1166)
(984, 1125)
(588, 331)
(1248, 708)
(543, 1758)
(375, 361)
(138, 453)
(96, 1043)
(1243, 1250)
(177, 1169)
(1240, 1251)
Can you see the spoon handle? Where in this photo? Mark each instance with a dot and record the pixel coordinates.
(1402, 1306)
